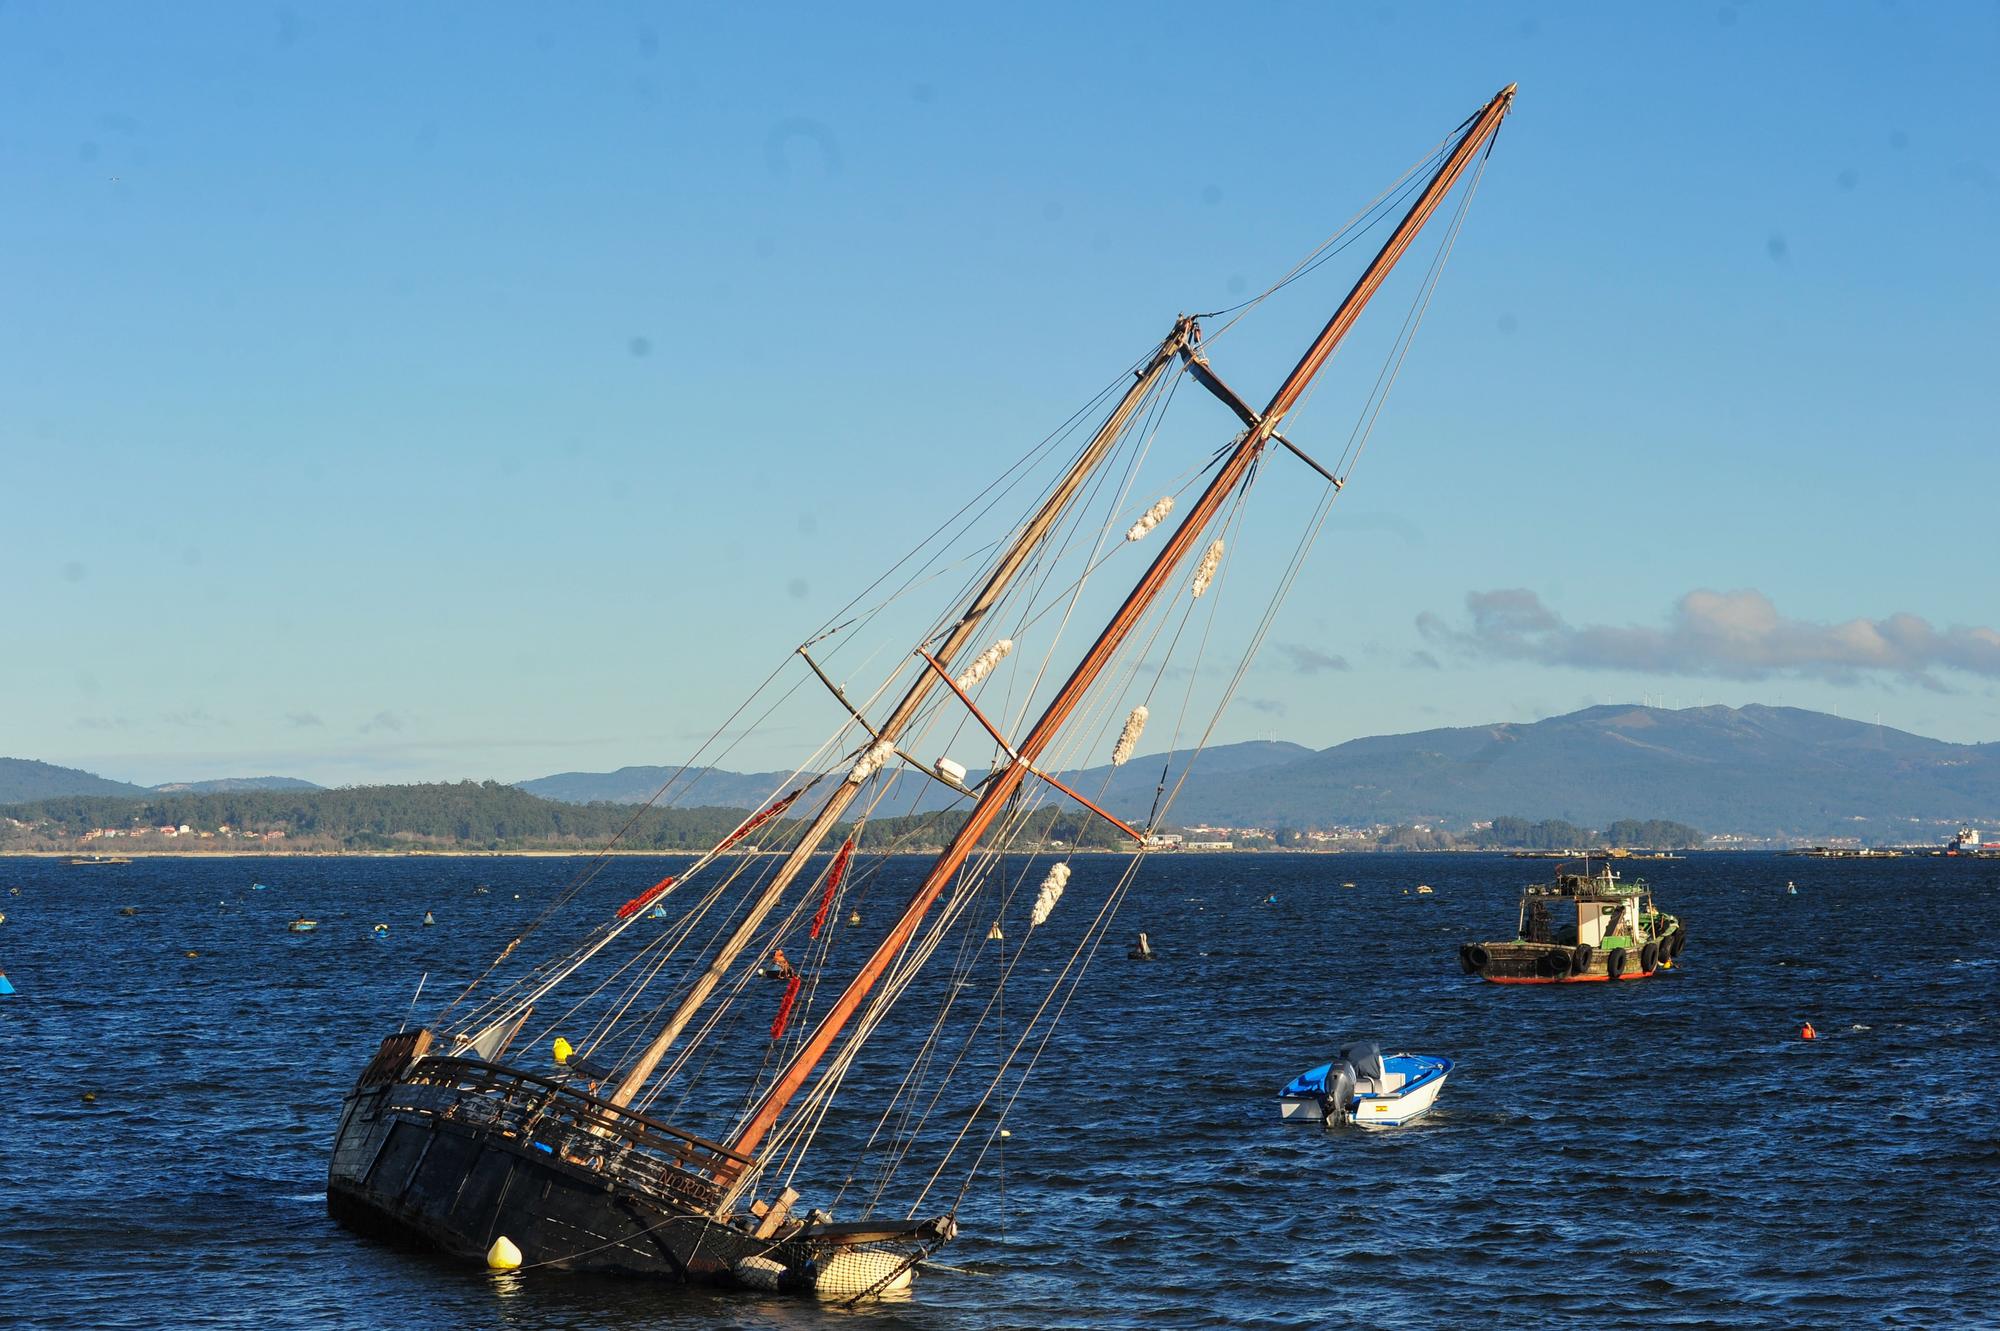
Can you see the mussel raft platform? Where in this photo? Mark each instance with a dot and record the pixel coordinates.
(449, 1154)
(1581, 927)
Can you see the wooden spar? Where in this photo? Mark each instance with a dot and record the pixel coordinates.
(1011, 562)
(1001, 787)
(1009, 750)
(1204, 375)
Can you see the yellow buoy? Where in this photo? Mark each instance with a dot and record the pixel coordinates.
(503, 1255)
(562, 1050)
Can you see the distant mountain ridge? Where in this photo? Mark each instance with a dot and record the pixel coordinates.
(229, 785)
(1754, 770)
(1777, 772)
(25, 779)
(637, 785)
(1764, 771)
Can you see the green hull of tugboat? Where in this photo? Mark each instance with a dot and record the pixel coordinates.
(1582, 928)
(1537, 963)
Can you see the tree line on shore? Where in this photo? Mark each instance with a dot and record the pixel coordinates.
(1556, 834)
(486, 815)
(466, 815)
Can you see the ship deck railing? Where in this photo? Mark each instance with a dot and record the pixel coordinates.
(626, 1148)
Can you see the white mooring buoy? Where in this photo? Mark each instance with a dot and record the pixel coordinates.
(503, 1255)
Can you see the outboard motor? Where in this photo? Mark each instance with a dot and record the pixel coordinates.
(1338, 1093)
(1365, 1056)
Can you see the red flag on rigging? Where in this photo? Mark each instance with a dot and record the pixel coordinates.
(757, 822)
(833, 877)
(645, 899)
(785, 1007)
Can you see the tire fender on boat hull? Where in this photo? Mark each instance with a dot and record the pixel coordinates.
(1614, 962)
(1477, 958)
(1649, 957)
(1579, 958)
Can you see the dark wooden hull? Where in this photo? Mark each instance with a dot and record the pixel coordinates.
(451, 1154)
(455, 1188)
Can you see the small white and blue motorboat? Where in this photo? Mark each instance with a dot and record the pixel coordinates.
(1364, 1087)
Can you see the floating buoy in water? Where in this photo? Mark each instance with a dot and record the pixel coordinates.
(854, 917)
(90, 1097)
(503, 1255)
(6, 985)
(128, 910)
(428, 919)
(1271, 900)
(381, 931)
(1808, 1033)
(256, 887)
(190, 954)
(993, 935)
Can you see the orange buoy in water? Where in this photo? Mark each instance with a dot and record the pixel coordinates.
(1808, 1033)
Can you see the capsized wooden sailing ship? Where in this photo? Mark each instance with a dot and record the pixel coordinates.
(686, 1123)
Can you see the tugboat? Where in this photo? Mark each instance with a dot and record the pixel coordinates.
(1583, 926)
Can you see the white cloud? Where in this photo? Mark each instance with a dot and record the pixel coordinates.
(1735, 635)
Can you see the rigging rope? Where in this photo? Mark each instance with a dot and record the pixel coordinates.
(1096, 710)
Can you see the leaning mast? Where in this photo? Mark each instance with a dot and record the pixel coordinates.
(1001, 786)
(1016, 557)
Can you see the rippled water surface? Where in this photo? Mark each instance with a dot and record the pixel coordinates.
(1666, 1153)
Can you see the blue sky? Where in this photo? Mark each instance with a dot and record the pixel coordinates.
(395, 392)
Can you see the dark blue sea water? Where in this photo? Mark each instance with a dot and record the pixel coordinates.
(1666, 1153)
